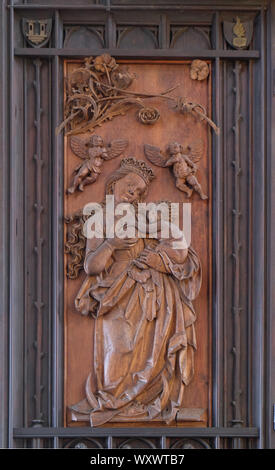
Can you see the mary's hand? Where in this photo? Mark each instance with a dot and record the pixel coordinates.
(96, 260)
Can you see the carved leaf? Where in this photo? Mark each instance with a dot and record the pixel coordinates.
(155, 155)
(79, 147)
(116, 148)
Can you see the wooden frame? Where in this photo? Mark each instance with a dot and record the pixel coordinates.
(18, 102)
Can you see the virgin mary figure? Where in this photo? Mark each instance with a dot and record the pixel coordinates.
(139, 293)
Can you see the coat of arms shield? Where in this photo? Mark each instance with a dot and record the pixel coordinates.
(37, 32)
(238, 34)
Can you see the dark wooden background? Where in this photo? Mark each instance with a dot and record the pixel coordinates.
(31, 341)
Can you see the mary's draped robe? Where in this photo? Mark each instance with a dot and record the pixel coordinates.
(144, 336)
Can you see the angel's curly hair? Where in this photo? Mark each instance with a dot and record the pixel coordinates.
(94, 137)
(174, 143)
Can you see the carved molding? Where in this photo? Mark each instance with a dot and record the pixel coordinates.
(137, 443)
(98, 32)
(184, 33)
(236, 307)
(190, 443)
(39, 242)
(85, 443)
(148, 33)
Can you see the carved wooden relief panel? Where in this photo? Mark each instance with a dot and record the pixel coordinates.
(146, 336)
(137, 319)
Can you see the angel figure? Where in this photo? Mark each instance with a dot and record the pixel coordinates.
(93, 152)
(184, 163)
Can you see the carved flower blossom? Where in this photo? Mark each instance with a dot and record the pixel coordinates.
(199, 70)
(148, 115)
(104, 61)
(122, 78)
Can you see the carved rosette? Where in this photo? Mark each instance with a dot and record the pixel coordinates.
(148, 115)
(199, 70)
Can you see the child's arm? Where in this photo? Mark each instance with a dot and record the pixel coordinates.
(172, 160)
(189, 161)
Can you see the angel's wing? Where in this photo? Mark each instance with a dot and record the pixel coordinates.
(195, 150)
(79, 146)
(155, 155)
(115, 148)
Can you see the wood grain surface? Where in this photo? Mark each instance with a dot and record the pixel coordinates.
(172, 126)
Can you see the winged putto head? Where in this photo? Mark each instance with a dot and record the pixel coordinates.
(95, 141)
(174, 147)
